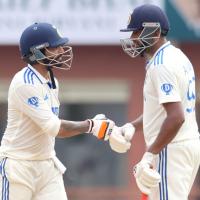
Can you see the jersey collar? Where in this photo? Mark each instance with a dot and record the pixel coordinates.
(160, 49)
(38, 75)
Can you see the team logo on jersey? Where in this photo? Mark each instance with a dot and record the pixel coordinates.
(167, 88)
(55, 110)
(33, 101)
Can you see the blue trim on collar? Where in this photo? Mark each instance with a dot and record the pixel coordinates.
(36, 75)
(156, 55)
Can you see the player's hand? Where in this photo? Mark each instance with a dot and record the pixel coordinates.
(120, 138)
(127, 131)
(146, 177)
(101, 127)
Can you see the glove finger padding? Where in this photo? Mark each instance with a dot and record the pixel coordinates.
(100, 117)
(117, 142)
(128, 131)
(150, 177)
(144, 189)
(146, 178)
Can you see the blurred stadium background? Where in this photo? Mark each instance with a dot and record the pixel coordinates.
(102, 80)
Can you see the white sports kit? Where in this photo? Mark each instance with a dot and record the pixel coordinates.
(27, 148)
(170, 78)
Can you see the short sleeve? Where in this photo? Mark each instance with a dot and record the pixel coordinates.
(31, 102)
(166, 84)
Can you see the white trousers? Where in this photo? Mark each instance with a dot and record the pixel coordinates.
(177, 164)
(30, 180)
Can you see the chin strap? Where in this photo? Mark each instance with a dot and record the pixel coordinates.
(52, 77)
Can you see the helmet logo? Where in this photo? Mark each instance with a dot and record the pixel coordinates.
(54, 27)
(129, 19)
(58, 32)
(35, 28)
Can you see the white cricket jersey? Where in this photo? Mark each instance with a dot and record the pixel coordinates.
(169, 78)
(33, 121)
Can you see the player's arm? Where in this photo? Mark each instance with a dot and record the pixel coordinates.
(99, 126)
(165, 81)
(31, 102)
(72, 128)
(138, 123)
(174, 120)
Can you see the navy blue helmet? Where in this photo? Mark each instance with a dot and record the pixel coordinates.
(39, 37)
(147, 13)
(152, 23)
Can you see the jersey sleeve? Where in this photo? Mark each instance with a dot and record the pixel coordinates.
(32, 103)
(166, 84)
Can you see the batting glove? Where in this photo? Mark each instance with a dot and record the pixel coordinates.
(101, 127)
(146, 177)
(127, 131)
(120, 138)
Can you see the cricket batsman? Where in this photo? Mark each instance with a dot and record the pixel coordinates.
(29, 168)
(169, 166)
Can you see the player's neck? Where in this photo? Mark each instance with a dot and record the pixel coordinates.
(154, 48)
(42, 70)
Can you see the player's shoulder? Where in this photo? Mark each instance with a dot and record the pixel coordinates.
(168, 56)
(162, 54)
(25, 76)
